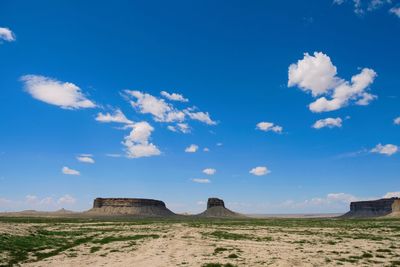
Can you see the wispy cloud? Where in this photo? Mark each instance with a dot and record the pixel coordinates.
(85, 158)
(117, 116)
(69, 171)
(201, 181)
(362, 6)
(395, 11)
(32, 201)
(174, 96)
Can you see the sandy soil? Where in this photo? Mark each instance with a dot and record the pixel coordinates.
(187, 244)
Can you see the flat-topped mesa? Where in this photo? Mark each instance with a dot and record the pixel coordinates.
(126, 202)
(129, 206)
(373, 208)
(215, 202)
(216, 209)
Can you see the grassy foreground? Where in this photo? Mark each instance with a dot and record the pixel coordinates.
(374, 241)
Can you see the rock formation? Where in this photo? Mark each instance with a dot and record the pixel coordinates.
(374, 208)
(129, 206)
(216, 208)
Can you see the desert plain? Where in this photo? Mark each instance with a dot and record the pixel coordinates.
(203, 242)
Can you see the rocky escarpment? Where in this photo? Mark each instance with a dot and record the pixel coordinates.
(374, 208)
(216, 208)
(129, 206)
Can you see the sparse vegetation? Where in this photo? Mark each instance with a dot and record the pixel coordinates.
(94, 249)
(370, 241)
(217, 265)
(233, 256)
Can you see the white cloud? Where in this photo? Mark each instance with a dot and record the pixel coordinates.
(111, 155)
(161, 111)
(85, 158)
(269, 126)
(36, 201)
(63, 94)
(259, 171)
(337, 201)
(31, 199)
(392, 194)
(172, 128)
(317, 74)
(328, 122)
(166, 112)
(117, 117)
(388, 149)
(220, 144)
(181, 127)
(137, 142)
(395, 10)
(209, 171)
(6, 34)
(4, 202)
(66, 200)
(174, 96)
(201, 202)
(200, 116)
(206, 149)
(69, 171)
(192, 148)
(397, 121)
(341, 197)
(201, 181)
(362, 6)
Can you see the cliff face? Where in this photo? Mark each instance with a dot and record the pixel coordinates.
(215, 202)
(127, 202)
(129, 206)
(373, 208)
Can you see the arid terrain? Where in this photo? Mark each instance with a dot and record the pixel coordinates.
(199, 242)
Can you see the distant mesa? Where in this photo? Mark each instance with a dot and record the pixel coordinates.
(375, 208)
(216, 209)
(129, 206)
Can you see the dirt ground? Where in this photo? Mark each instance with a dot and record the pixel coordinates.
(261, 242)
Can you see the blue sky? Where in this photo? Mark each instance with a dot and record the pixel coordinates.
(274, 106)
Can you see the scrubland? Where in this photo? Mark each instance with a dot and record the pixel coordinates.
(199, 242)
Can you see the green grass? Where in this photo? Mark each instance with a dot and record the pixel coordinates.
(236, 236)
(233, 256)
(19, 247)
(110, 239)
(219, 250)
(44, 243)
(94, 249)
(383, 250)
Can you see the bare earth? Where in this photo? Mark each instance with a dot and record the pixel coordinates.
(251, 242)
